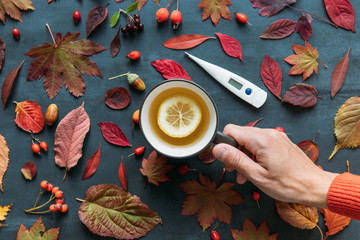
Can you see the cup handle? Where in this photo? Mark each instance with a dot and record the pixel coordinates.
(222, 138)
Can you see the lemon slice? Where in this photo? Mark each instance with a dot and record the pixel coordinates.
(179, 116)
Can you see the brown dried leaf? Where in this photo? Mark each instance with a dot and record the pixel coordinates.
(334, 222)
(4, 160)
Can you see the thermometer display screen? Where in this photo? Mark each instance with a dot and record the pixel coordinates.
(235, 84)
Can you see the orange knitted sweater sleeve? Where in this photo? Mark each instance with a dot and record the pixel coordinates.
(344, 195)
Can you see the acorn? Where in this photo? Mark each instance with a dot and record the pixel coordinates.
(134, 80)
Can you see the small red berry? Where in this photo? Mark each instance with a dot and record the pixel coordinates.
(215, 235)
(76, 16)
(49, 187)
(44, 145)
(176, 18)
(16, 33)
(58, 206)
(134, 55)
(241, 18)
(162, 15)
(59, 194)
(53, 208)
(35, 148)
(60, 200)
(44, 184)
(140, 150)
(280, 129)
(256, 195)
(64, 208)
(54, 190)
(183, 169)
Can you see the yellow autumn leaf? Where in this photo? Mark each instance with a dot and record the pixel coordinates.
(4, 212)
(347, 125)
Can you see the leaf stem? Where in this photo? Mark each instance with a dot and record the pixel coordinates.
(52, 36)
(347, 166)
(52, 197)
(41, 192)
(322, 236)
(65, 174)
(127, 14)
(322, 63)
(43, 212)
(323, 19)
(168, 4)
(80, 200)
(125, 74)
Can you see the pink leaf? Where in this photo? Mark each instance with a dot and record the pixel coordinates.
(113, 134)
(271, 7)
(230, 45)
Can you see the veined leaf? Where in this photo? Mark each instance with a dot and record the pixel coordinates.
(214, 9)
(155, 168)
(8, 83)
(250, 232)
(37, 231)
(13, 7)
(95, 17)
(4, 160)
(115, 44)
(334, 222)
(4, 212)
(115, 18)
(230, 45)
(2, 52)
(29, 116)
(271, 7)
(301, 95)
(185, 41)
(113, 134)
(271, 75)
(339, 74)
(170, 69)
(29, 170)
(132, 7)
(341, 13)
(279, 29)
(304, 26)
(123, 176)
(92, 164)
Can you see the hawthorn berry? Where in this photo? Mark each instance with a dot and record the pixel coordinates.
(16, 33)
(76, 16)
(59, 194)
(183, 169)
(44, 146)
(35, 148)
(162, 15)
(64, 208)
(53, 208)
(134, 55)
(176, 18)
(215, 235)
(44, 184)
(256, 197)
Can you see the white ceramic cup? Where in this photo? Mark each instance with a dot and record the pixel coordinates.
(211, 134)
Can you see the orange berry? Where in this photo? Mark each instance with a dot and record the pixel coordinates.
(64, 208)
(58, 206)
(53, 208)
(44, 184)
(134, 55)
(162, 15)
(44, 145)
(35, 148)
(49, 187)
(60, 200)
(135, 116)
(241, 18)
(58, 194)
(54, 189)
(176, 18)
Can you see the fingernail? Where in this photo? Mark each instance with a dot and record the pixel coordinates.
(220, 153)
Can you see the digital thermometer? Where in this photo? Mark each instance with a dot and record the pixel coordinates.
(241, 87)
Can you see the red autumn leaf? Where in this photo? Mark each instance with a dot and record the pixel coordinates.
(113, 134)
(310, 148)
(8, 83)
(214, 9)
(341, 13)
(122, 176)
(279, 29)
(64, 60)
(271, 7)
(115, 45)
(155, 168)
(230, 45)
(250, 232)
(29, 116)
(2, 52)
(117, 98)
(271, 75)
(69, 138)
(37, 231)
(334, 222)
(209, 201)
(92, 164)
(339, 74)
(185, 41)
(301, 95)
(304, 26)
(29, 170)
(13, 7)
(253, 124)
(170, 69)
(95, 17)
(304, 60)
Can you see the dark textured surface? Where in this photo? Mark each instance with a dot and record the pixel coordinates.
(301, 124)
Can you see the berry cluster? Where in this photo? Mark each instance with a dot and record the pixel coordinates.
(134, 25)
(58, 194)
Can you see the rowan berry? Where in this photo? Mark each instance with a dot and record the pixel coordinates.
(53, 208)
(44, 184)
(64, 208)
(49, 187)
(59, 194)
(54, 189)
(60, 200)
(58, 206)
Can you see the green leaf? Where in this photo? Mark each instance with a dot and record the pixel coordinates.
(35, 232)
(132, 7)
(114, 19)
(110, 211)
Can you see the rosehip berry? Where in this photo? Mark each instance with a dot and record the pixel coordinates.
(44, 184)
(58, 206)
(76, 16)
(44, 145)
(280, 129)
(215, 235)
(162, 15)
(176, 18)
(58, 194)
(134, 55)
(54, 190)
(64, 208)
(53, 208)
(35, 148)
(183, 169)
(241, 18)
(60, 200)
(16, 33)
(138, 151)
(49, 187)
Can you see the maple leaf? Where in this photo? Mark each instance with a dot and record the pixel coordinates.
(63, 59)
(304, 60)
(13, 7)
(271, 7)
(155, 168)
(209, 201)
(35, 232)
(250, 232)
(215, 9)
(4, 212)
